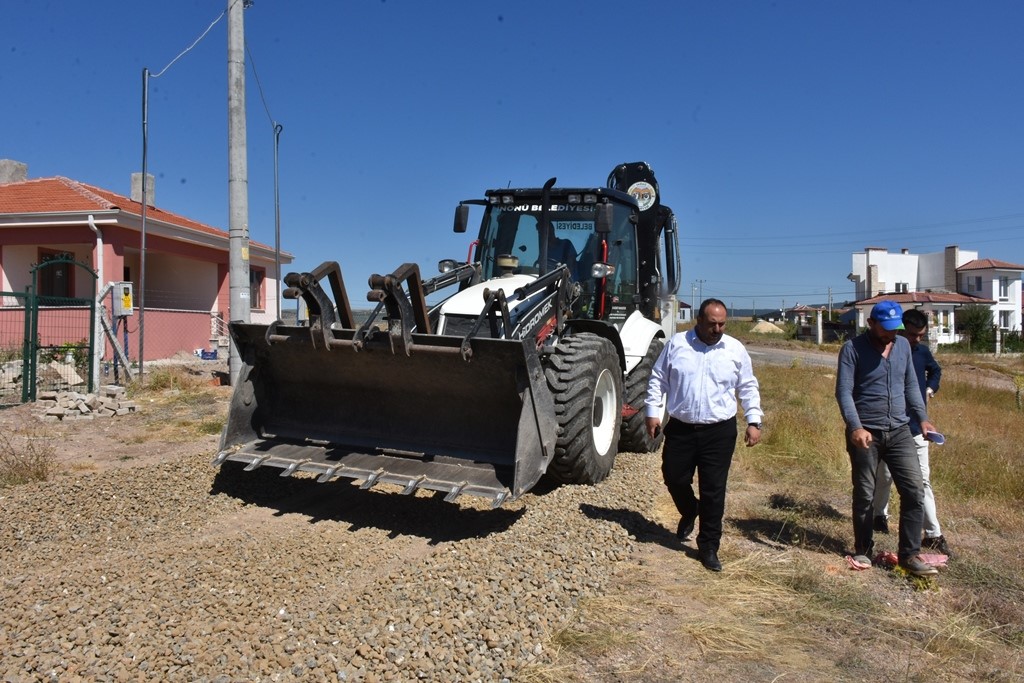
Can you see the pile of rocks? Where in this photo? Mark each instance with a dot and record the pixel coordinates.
(111, 400)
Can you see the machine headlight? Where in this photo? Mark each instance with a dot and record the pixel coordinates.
(447, 265)
(602, 270)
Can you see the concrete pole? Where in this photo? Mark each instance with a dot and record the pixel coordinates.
(238, 179)
(933, 332)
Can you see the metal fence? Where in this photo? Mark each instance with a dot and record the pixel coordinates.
(13, 333)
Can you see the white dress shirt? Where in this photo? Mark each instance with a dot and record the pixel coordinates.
(700, 383)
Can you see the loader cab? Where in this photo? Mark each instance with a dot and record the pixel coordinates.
(511, 226)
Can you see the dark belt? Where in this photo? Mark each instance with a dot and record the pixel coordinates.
(691, 427)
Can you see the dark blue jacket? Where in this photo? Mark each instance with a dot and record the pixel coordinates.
(928, 376)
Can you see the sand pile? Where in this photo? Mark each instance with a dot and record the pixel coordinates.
(765, 327)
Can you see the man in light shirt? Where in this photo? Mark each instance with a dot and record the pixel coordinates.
(696, 380)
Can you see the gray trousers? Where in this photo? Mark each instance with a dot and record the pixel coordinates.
(896, 448)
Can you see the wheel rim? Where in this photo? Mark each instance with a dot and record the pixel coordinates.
(603, 422)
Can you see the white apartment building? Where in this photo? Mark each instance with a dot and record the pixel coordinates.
(938, 284)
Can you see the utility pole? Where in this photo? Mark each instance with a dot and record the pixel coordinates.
(830, 303)
(693, 292)
(701, 283)
(238, 179)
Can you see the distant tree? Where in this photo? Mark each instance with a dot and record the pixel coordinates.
(974, 322)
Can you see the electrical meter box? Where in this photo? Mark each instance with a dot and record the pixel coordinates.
(124, 299)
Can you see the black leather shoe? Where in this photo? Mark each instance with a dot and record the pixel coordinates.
(709, 558)
(685, 527)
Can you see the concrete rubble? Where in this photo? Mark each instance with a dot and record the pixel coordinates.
(110, 401)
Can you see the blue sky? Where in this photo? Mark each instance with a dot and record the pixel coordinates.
(785, 135)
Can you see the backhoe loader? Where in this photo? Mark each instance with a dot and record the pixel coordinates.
(529, 359)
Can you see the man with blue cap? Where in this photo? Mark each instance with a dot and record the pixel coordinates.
(877, 390)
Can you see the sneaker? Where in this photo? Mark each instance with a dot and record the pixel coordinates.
(918, 567)
(937, 544)
(881, 524)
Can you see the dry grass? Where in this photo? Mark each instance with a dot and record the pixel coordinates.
(25, 456)
(787, 606)
(615, 613)
(189, 395)
(170, 378)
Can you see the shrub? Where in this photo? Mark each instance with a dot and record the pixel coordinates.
(77, 352)
(8, 354)
(975, 323)
(24, 463)
(1013, 342)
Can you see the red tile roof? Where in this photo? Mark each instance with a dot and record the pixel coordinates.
(63, 195)
(988, 263)
(926, 298)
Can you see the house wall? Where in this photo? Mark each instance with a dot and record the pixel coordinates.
(893, 269)
(919, 271)
(168, 334)
(931, 271)
(18, 261)
(176, 282)
(1006, 307)
(181, 276)
(859, 273)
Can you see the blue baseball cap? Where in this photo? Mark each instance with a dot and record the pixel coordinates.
(888, 314)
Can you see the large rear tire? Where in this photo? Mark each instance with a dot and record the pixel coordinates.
(585, 379)
(634, 438)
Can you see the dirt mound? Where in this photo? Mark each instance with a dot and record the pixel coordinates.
(765, 327)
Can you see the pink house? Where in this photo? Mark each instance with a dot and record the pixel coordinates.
(187, 290)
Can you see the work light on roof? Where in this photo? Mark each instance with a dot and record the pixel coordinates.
(590, 199)
(506, 199)
(574, 199)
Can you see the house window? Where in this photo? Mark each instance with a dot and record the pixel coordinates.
(902, 287)
(977, 283)
(1004, 287)
(256, 279)
(55, 280)
(1004, 320)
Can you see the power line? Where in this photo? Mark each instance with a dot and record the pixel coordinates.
(259, 85)
(782, 246)
(194, 43)
(888, 232)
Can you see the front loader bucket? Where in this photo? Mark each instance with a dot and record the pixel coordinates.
(308, 401)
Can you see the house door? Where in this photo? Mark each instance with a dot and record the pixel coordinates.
(61, 327)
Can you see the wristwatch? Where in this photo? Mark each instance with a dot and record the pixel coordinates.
(756, 425)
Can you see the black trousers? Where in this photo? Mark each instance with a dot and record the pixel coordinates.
(706, 450)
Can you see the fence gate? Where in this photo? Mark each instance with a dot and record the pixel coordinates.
(61, 328)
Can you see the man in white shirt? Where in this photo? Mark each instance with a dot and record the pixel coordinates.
(698, 377)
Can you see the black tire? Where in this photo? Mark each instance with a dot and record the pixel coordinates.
(585, 378)
(634, 438)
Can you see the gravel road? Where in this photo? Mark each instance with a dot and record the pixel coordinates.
(173, 572)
